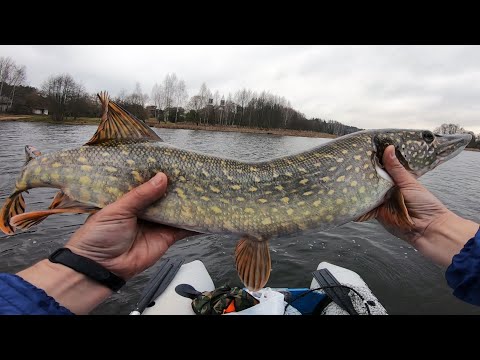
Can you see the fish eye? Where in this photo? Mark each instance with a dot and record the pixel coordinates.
(428, 136)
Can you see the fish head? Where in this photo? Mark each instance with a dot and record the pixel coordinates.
(420, 151)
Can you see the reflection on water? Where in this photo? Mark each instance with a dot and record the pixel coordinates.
(401, 278)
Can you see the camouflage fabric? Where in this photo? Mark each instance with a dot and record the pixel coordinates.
(216, 302)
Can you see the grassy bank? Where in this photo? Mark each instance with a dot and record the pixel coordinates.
(47, 119)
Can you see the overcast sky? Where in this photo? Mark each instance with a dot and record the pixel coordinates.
(363, 86)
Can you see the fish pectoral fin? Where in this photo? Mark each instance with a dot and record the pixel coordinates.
(368, 216)
(252, 258)
(27, 220)
(395, 211)
(117, 124)
(31, 153)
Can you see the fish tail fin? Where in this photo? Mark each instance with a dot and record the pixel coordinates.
(253, 262)
(13, 206)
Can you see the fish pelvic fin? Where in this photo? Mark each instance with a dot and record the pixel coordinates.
(13, 206)
(252, 258)
(118, 124)
(61, 204)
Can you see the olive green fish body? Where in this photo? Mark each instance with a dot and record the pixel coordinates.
(320, 188)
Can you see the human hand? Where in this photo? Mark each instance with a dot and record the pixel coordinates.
(437, 232)
(117, 239)
(423, 207)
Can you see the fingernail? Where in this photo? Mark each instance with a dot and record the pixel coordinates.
(392, 155)
(157, 180)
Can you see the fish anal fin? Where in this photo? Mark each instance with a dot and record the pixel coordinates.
(63, 201)
(252, 258)
(119, 124)
(27, 220)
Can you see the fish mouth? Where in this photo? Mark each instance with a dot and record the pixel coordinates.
(450, 145)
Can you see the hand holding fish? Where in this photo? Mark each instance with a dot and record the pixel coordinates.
(437, 233)
(116, 239)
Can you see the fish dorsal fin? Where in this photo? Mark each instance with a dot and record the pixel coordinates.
(119, 124)
(253, 262)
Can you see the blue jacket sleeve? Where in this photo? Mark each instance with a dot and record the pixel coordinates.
(19, 297)
(463, 274)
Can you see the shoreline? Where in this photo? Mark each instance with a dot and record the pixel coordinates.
(162, 125)
(241, 129)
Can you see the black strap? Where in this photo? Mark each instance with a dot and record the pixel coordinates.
(87, 267)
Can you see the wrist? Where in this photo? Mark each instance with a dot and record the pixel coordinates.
(445, 237)
(71, 289)
(114, 265)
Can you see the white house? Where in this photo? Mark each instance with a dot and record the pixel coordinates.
(40, 111)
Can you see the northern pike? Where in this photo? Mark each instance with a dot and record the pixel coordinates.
(321, 188)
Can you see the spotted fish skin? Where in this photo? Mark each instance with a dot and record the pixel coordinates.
(320, 188)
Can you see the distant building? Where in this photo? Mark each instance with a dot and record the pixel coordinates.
(4, 103)
(152, 111)
(40, 111)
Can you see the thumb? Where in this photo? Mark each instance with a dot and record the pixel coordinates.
(136, 200)
(395, 169)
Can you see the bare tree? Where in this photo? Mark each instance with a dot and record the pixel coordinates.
(18, 78)
(6, 67)
(449, 129)
(216, 98)
(204, 95)
(158, 96)
(242, 98)
(169, 85)
(195, 104)
(138, 97)
(60, 90)
(181, 96)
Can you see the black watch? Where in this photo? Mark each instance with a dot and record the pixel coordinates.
(87, 267)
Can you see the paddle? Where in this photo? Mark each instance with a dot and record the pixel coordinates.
(167, 270)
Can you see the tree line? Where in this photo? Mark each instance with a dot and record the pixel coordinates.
(65, 97)
(451, 129)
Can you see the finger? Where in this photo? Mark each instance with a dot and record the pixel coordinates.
(136, 200)
(396, 170)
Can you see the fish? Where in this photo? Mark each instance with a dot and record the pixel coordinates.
(321, 188)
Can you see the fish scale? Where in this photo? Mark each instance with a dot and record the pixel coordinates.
(320, 188)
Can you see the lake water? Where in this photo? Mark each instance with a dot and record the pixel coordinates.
(403, 281)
